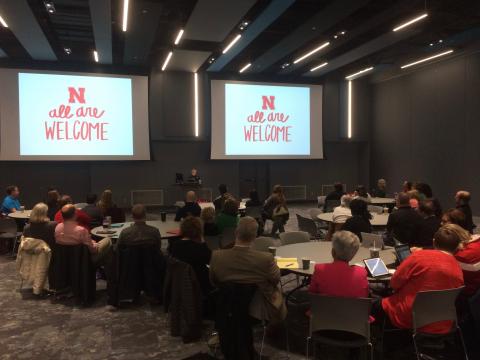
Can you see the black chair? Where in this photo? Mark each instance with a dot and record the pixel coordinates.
(8, 231)
(233, 321)
(308, 225)
(331, 204)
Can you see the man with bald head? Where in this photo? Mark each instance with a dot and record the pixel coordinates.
(462, 200)
(69, 232)
(191, 207)
(243, 265)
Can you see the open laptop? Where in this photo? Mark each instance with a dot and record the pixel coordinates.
(402, 252)
(376, 267)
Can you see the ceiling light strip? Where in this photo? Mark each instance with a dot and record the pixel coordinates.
(95, 55)
(3, 22)
(232, 43)
(410, 22)
(125, 15)
(165, 63)
(196, 103)
(350, 77)
(179, 36)
(349, 110)
(324, 45)
(426, 59)
(245, 68)
(319, 66)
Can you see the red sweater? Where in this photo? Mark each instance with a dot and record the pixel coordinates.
(82, 218)
(469, 260)
(422, 271)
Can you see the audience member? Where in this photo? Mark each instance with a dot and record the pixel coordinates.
(228, 218)
(71, 233)
(360, 220)
(253, 200)
(81, 217)
(462, 200)
(242, 264)
(342, 213)
(381, 189)
(10, 202)
(275, 209)
(139, 232)
(415, 198)
(454, 216)
(422, 271)
(40, 226)
(208, 217)
(429, 225)
(339, 278)
(53, 196)
(92, 210)
(191, 207)
(424, 189)
(404, 223)
(109, 208)
(194, 251)
(361, 193)
(468, 257)
(407, 186)
(335, 195)
(194, 178)
(220, 200)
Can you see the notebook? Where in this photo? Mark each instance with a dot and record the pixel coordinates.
(287, 263)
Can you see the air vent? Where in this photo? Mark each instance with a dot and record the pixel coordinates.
(295, 192)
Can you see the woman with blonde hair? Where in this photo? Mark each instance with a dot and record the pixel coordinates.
(40, 226)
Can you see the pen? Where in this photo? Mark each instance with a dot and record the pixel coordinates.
(288, 265)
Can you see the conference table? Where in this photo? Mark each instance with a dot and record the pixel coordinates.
(378, 220)
(168, 229)
(21, 215)
(378, 201)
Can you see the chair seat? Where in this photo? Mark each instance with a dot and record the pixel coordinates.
(339, 338)
(8, 235)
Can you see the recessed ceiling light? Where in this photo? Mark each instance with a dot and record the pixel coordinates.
(350, 77)
(67, 50)
(3, 22)
(167, 60)
(95, 55)
(440, 41)
(343, 32)
(410, 22)
(211, 60)
(431, 44)
(284, 66)
(245, 68)
(50, 6)
(179, 36)
(232, 43)
(125, 15)
(311, 52)
(335, 36)
(319, 66)
(426, 59)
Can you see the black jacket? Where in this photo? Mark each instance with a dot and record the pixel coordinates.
(357, 225)
(429, 227)
(190, 209)
(404, 225)
(467, 211)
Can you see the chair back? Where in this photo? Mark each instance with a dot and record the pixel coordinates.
(213, 241)
(375, 209)
(368, 240)
(228, 237)
(262, 243)
(474, 305)
(434, 306)
(9, 226)
(331, 204)
(294, 237)
(340, 313)
(314, 212)
(307, 225)
(254, 211)
(321, 200)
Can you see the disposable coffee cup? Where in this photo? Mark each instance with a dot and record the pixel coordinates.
(22, 208)
(273, 250)
(374, 252)
(305, 264)
(385, 210)
(163, 216)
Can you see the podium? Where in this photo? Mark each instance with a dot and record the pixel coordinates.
(180, 189)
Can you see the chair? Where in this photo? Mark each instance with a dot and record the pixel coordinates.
(213, 241)
(340, 322)
(262, 243)
(434, 306)
(228, 237)
(321, 200)
(8, 231)
(331, 204)
(294, 237)
(375, 209)
(314, 212)
(369, 240)
(308, 225)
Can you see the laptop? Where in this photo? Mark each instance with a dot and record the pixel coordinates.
(376, 267)
(402, 252)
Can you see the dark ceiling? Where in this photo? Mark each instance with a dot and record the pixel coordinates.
(279, 31)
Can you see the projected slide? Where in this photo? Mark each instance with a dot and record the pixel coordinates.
(75, 115)
(267, 120)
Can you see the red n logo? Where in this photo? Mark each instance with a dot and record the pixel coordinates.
(78, 95)
(268, 101)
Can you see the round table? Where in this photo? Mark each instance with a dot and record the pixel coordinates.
(381, 201)
(378, 220)
(163, 227)
(24, 215)
(320, 252)
(204, 205)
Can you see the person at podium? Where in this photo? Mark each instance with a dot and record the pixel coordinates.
(194, 178)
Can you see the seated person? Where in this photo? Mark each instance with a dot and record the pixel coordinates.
(109, 208)
(81, 217)
(415, 198)
(361, 193)
(242, 264)
(462, 200)
(191, 207)
(208, 218)
(381, 189)
(429, 225)
(228, 218)
(220, 200)
(454, 216)
(339, 278)
(10, 203)
(336, 194)
(468, 257)
(404, 223)
(53, 196)
(340, 215)
(424, 270)
(93, 210)
(254, 200)
(407, 186)
(40, 226)
(360, 220)
(192, 250)
(194, 178)
(69, 232)
(139, 232)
